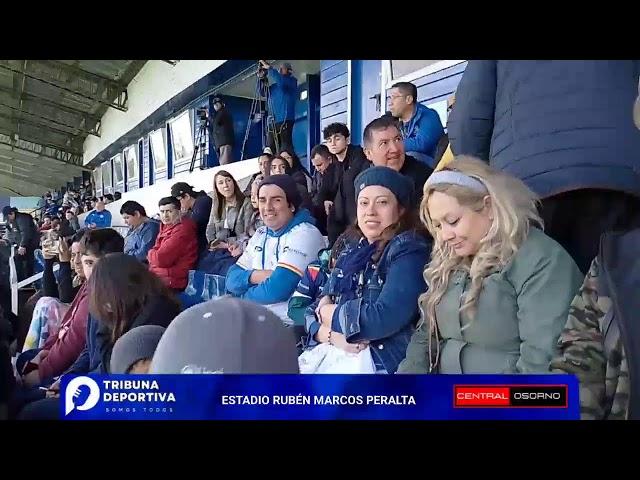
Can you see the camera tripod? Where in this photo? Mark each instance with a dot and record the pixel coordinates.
(268, 122)
(200, 143)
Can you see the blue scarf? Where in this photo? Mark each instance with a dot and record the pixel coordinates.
(353, 263)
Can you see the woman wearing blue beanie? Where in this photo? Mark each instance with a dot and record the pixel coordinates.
(371, 297)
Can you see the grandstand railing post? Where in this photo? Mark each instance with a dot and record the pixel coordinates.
(13, 281)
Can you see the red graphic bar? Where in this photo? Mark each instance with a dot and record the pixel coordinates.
(510, 396)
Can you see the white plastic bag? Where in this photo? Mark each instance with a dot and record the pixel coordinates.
(326, 358)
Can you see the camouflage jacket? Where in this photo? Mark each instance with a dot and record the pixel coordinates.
(602, 371)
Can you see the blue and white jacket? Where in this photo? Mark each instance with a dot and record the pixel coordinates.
(287, 252)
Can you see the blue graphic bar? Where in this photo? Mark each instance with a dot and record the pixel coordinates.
(320, 397)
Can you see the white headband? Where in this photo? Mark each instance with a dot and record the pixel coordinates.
(456, 178)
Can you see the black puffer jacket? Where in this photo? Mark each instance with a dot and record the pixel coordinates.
(558, 125)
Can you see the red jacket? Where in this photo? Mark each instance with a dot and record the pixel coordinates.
(67, 343)
(175, 253)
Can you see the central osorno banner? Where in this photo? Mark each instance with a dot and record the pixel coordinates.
(319, 397)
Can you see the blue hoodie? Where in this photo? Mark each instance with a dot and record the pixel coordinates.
(422, 133)
(299, 249)
(284, 91)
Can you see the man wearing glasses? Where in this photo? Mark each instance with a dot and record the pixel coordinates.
(420, 126)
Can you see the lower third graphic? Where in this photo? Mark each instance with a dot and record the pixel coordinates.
(505, 396)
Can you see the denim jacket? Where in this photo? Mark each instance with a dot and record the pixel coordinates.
(141, 239)
(384, 309)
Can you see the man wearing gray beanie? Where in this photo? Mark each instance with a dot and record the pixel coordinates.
(226, 336)
(277, 255)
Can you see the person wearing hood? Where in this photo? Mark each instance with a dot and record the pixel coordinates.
(277, 255)
(228, 336)
(420, 126)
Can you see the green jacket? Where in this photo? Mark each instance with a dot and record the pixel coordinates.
(520, 314)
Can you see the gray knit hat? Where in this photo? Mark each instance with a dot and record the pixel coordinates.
(137, 344)
(226, 335)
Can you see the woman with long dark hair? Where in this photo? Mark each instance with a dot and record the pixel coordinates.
(124, 295)
(231, 211)
(298, 172)
(371, 296)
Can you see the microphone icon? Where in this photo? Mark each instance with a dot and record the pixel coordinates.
(82, 393)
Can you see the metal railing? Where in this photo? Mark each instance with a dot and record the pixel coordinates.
(15, 285)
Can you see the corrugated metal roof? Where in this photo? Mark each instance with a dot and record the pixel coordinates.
(49, 107)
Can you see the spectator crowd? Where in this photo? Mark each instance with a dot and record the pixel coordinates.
(506, 245)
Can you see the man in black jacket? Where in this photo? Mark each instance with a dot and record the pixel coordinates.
(384, 147)
(196, 206)
(222, 131)
(26, 235)
(350, 162)
(323, 183)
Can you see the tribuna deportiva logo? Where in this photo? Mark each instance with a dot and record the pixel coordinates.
(117, 396)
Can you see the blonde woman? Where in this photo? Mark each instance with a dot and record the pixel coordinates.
(499, 289)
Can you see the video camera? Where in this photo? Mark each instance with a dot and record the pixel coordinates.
(202, 114)
(262, 72)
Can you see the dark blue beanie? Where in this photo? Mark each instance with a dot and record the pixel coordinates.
(400, 185)
(288, 185)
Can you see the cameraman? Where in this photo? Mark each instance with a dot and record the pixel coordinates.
(283, 88)
(222, 131)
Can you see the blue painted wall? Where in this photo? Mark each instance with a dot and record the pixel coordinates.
(365, 96)
(333, 91)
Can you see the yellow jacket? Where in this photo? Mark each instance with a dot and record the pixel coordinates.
(446, 158)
